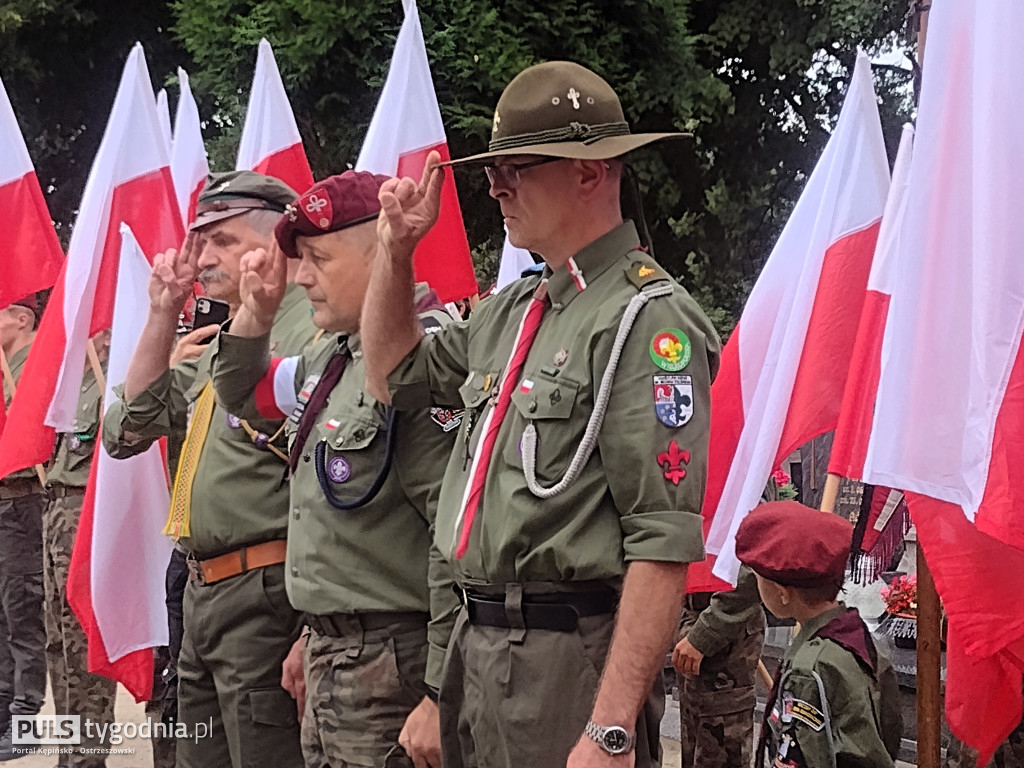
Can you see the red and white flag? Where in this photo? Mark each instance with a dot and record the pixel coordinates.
(270, 142)
(116, 577)
(130, 182)
(406, 127)
(31, 256)
(514, 261)
(948, 420)
(189, 165)
(783, 370)
(858, 405)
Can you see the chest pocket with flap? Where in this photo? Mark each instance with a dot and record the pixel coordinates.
(549, 402)
(351, 460)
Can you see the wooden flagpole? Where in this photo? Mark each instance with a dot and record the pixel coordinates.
(97, 369)
(9, 378)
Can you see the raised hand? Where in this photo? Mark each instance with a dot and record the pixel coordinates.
(409, 210)
(263, 284)
(173, 275)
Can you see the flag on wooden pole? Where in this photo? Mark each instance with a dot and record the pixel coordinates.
(947, 423)
(784, 368)
(406, 127)
(130, 181)
(116, 576)
(270, 142)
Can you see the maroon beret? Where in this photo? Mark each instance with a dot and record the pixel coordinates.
(335, 203)
(794, 545)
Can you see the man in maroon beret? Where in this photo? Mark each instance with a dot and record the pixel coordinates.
(22, 502)
(376, 596)
(835, 698)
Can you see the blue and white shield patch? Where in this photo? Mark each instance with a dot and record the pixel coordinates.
(673, 399)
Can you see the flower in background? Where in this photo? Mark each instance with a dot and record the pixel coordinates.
(900, 596)
(784, 484)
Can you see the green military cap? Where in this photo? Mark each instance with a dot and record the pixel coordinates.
(236, 192)
(561, 109)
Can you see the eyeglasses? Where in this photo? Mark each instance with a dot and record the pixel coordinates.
(508, 175)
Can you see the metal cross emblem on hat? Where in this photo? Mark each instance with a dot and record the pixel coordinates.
(497, 122)
(574, 96)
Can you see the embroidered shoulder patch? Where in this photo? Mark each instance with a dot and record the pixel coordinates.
(670, 349)
(798, 709)
(673, 399)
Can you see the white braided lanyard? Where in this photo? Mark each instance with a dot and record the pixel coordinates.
(604, 394)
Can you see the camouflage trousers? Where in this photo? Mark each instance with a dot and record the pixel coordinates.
(514, 698)
(237, 634)
(75, 690)
(22, 633)
(361, 687)
(716, 707)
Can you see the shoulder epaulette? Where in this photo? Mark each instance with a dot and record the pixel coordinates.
(643, 272)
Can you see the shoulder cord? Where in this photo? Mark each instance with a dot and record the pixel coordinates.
(589, 441)
(320, 462)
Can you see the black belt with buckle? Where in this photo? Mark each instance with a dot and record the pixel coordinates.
(558, 612)
(342, 624)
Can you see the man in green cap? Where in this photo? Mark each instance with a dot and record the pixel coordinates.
(229, 506)
(376, 595)
(571, 505)
(22, 501)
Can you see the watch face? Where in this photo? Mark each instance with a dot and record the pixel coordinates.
(616, 739)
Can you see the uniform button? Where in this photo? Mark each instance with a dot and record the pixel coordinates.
(532, 406)
(295, 571)
(296, 515)
(85, 389)
(306, 458)
(357, 436)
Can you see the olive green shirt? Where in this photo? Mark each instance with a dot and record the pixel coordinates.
(239, 494)
(732, 615)
(639, 495)
(73, 457)
(17, 364)
(377, 557)
(860, 711)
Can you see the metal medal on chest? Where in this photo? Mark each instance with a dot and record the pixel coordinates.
(673, 399)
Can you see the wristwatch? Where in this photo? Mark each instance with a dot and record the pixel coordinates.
(613, 739)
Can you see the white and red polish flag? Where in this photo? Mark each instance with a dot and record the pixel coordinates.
(116, 577)
(784, 368)
(406, 127)
(130, 181)
(189, 164)
(514, 261)
(270, 142)
(948, 419)
(31, 257)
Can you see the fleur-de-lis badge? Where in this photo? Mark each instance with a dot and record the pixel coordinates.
(672, 461)
(497, 122)
(315, 204)
(574, 96)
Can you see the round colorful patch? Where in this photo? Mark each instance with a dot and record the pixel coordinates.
(338, 470)
(670, 349)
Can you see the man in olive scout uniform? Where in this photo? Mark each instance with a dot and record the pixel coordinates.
(580, 466)
(835, 700)
(22, 501)
(75, 690)
(377, 597)
(229, 507)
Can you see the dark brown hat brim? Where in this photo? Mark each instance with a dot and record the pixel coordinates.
(604, 149)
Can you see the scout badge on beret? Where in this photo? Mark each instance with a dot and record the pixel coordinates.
(336, 203)
(237, 192)
(561, 109)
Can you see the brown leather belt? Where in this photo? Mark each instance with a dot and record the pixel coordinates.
(238, 562)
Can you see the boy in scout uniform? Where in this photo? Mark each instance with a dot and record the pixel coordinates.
(22, 501)
(571, 505)
(834, 702)
(229, 506)
(364, 484)
(75, 690)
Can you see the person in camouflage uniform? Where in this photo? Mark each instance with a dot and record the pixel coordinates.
(720, 641)
(1010, 753)
(75, 690)
(22, 501)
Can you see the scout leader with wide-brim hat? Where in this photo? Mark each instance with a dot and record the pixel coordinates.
(561, 109)
(600, 363)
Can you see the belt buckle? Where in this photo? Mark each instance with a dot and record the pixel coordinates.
(195, 570)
